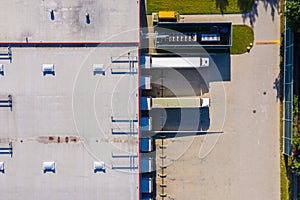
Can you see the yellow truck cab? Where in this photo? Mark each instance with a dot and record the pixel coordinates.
(165, 16)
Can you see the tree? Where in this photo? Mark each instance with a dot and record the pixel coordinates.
(296, 156)
(296, 165)
(292, 14)
(296, 138)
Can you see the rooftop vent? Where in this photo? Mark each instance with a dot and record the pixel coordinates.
(99, 167)
(48, 69)
(2, 69)
(98, 69)
(2, 167)
(49, 166)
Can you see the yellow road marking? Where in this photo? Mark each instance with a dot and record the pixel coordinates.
(268, 42)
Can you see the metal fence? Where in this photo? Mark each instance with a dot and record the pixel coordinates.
(288, 90)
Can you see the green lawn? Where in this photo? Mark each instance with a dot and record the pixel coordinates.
(242, 35)
(284, 181)
(200, 6)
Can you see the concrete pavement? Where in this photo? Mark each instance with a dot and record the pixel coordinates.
(244, 163)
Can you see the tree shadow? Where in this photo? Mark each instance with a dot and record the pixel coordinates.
(276, 86)
(252, 14)
(274, 5)
(222, 4)
(245, 5)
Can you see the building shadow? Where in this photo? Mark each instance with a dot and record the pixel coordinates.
(220, 69)
(143, 27)
(195, 88)
(184, 134)
(180, 119)
(146, 174)
(188, 81)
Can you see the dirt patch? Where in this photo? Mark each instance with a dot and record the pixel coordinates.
(57, 139)
(120, 140)
(4, 139)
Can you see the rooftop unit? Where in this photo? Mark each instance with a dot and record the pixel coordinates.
(98, 69)
(48, 69)
(2, 167)
(170, 35)
(49, 166)
(2, 69)
(99, 167)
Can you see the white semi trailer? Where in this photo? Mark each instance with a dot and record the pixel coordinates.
(179, 62)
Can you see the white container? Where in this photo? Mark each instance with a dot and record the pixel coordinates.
(49, 166)
(48, 69)
(98, 68)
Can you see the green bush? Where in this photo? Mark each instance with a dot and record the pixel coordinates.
(296, 139)
(292, 14)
